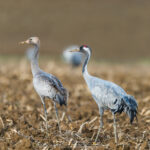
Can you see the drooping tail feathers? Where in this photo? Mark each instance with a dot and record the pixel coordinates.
(130, 107)
(62, 97)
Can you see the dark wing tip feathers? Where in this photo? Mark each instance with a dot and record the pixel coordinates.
(130, 107)
(63, 97)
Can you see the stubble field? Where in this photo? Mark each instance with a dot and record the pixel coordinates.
(22, 124)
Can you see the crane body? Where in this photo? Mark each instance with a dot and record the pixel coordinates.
(107, 95)
(46, 85)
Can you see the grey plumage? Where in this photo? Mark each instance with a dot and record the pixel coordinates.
(107, 94)
(50, 87)
(29, 53)
(72, 58)
(46, 85)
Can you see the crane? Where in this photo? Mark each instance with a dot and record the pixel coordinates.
(107, 95)
(46, 85)
(72, 58)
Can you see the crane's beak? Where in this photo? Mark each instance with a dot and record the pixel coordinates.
(24, 42)
(75, 50)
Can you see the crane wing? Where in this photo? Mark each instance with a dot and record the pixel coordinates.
(58, 85)
(52, 81)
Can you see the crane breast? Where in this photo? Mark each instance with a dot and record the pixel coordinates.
(43, 88)
(106, 97)
(100, 95)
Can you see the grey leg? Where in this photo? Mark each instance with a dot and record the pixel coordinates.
(101, 111)
(45, 111)
(57, 116)
(115, 129)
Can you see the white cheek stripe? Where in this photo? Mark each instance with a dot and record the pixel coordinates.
(87, 49)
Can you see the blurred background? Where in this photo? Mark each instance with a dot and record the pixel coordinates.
(116, 30)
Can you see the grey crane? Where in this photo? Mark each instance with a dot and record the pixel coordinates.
(107, 94)
(72, 58)
(46, 85)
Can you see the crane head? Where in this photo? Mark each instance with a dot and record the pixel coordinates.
(31, 41)
(85, 48)
(82, 49)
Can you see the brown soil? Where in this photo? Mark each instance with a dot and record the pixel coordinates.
(21, 116)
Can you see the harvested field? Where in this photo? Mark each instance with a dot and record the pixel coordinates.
(22, 124)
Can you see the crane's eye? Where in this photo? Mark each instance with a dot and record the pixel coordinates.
(30, 39)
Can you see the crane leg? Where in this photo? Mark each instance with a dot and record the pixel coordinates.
(45, 111)
(115, 129)
(56, 111)
(101, 123)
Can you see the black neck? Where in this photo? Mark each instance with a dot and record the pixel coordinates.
(84, 68)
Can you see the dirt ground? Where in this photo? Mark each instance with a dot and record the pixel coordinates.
(22, 125)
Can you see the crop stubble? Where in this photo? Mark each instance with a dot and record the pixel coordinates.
(21, 112)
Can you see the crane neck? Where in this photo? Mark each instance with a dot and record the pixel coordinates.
(84, 67)
(34, 61)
